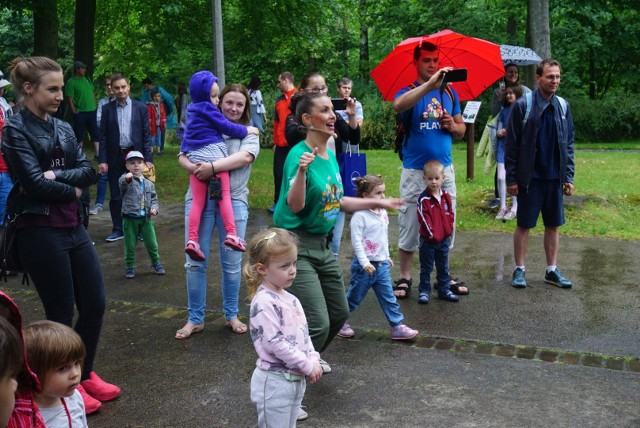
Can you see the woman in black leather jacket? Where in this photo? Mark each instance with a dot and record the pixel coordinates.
(49, 171)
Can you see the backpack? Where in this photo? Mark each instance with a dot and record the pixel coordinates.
(527, 102)
(401, 139)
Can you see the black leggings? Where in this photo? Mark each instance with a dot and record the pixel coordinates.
(65, 269)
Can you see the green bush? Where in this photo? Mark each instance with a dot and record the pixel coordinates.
(615, 118)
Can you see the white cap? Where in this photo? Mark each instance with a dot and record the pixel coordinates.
(4, 82)
(133, 154)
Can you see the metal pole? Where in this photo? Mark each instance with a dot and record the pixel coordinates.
(218, 42)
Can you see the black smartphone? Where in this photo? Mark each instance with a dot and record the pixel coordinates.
(456, 75)
(339, 103)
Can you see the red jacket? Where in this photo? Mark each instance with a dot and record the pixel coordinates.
(436, 218)
(280, 118)
(152, 118)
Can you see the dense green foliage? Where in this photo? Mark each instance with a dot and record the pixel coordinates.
(597, 42)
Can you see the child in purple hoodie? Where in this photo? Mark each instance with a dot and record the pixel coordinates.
(204, 142)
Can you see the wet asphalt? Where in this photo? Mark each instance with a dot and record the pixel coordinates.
(501, 357)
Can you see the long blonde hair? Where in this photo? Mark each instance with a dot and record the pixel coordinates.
(264, 246)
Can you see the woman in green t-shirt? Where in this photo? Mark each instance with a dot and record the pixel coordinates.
(311, 197)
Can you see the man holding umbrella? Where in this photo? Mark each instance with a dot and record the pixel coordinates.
(435, 119)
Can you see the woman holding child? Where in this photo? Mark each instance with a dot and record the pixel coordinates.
(49, 171)
(312, 198)
(235, 106)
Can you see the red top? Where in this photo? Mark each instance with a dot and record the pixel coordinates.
(153, 125)
(436, 218)
(280, 118)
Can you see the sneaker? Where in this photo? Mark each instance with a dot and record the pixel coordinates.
(502, 213)
(96, 209)
(448, 296)
(346, 331)
(91, 405)
(272, 209)
(423, 298)
(140, 237)
(494, 203)
(130, 273)
(193, 250)
(326, 368)
(402, 332)
(158, 269)
(99, 389)
(115, 236)
(510, 215)
(556, 278)
(302, 415)
(518, 280)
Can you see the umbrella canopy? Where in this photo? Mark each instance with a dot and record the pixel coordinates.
(480, 57)
(518, 55)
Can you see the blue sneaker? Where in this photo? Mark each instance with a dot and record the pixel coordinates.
(130, 273)
(272, 209)
(423, 298)
(518, 280)
(158, 269)
(115, 236)
(556, 278)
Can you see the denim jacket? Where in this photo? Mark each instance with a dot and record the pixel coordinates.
(131, 194)
(520, 147)
(28, 143)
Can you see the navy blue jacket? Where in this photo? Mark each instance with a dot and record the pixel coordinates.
(520, 147)
(110, 133)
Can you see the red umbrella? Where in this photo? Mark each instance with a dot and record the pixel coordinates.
(481, 58)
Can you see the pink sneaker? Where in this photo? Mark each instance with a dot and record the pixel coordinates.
(235, 242)
(402, 332)
(346, 331)
(193, 250)
(91, 405)
(99, 389)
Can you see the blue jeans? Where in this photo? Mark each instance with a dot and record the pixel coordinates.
(101, 189)
(438, 251)
(338, 227)
(66, 272)
(5, 187)
(380, 281)
(230, 260)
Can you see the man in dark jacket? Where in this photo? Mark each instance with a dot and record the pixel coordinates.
(124, 126)
(539, 166)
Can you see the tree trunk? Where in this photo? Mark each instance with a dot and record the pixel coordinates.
(538, 36)
(85, 18)
(364, 41)
(218, 42)
(45, 28)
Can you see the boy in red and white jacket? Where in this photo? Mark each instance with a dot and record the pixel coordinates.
(436, 217)
(157, 120)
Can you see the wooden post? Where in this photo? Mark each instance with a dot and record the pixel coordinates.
(470, 150)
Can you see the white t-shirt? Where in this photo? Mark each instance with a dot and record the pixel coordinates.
(56, 417)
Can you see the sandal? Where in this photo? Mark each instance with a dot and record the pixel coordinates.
(458, 288)
(186, 332)
(193, 251)
(237, 326)
(403, 284)
(235, 242)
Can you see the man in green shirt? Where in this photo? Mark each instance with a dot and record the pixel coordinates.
(81, 96)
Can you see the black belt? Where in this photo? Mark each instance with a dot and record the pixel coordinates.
(126, 149)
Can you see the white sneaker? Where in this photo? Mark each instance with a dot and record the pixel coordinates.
(326, 368)
(501, 214)
(509, 216)
(96, 209)
(302, 415)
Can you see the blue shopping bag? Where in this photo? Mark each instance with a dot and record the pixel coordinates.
(352, 165)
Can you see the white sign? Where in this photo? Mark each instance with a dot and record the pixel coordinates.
(470, 112)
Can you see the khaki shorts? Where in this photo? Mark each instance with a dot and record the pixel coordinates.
(411, 186)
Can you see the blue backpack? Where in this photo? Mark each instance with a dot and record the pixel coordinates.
(527, 102)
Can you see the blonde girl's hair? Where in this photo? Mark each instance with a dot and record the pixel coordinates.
(51, 345)
(266, 245)
(367, 183)
(31, 69)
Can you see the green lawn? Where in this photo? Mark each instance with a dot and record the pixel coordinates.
(606, 202)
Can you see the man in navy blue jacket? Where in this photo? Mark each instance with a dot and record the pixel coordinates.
(540, 167)
(124, 127)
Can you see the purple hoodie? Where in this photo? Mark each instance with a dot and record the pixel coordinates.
(205, 123)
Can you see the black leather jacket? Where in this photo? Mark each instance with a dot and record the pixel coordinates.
(27, 147)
